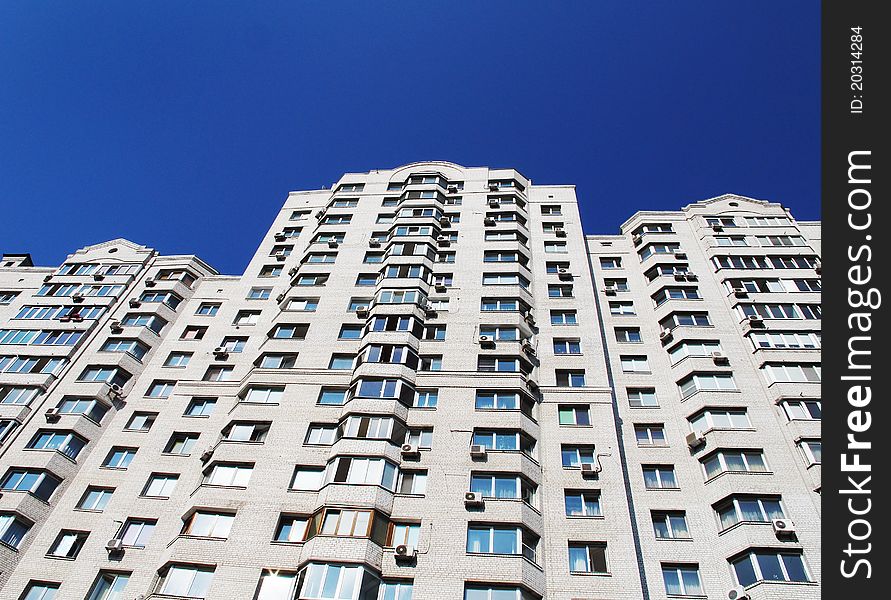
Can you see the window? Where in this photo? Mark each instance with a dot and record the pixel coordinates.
(136, 532)
(781, 240)
(670, 525)
(491, 400)
(786, 340)
(228, 474)
(342, 362)
(119, 458)
(134, 348)
(412, 482)
(563, 317)
(579, 414)
(246, 317)
(634, 364)
(570, 377)
(299, 215)
(642, 398)
(404, 533)
(682, 580)
(709, 382)
(659, 477)
(259, 293)
(303, 304)
(187, 581)
(686, 319)
(276, 585)
(160, 389)
(67, 543)
(218, 373)
(792, 373)
(431, 363)
(567, 346)
(141, 421)
(587, 557)
(695, 348)
(628, 334)
(17, 395)
(7, 297)
(291, 528)
(489, 539)
(720, 418)
(264, 395)
(573, 457)
(332, 396)
(505, 279)
(675, 293)
(109, 586)
(109, 375)
(610, 262)
(720, 222)
(200, 407)
(362, 471)
(559, 291)
(552, 247)
(208, 524)
(95, 498)
(178, 359)
(501, 364)
(503, 440)
(246, 431)
(7, 426)
(277, 361)
(289, 332)
(422, 437)
(65, 442)
(650, 435)
(621, 308)
(321, 435)
(495, 592)
(582, 503)
(270, 271)
(12, 530)
(503, 486)
(769, 565)
(307, 478)
(367, 279)
(160, 485)
(812, 450)
(552, 210)
(40, 591)
(426, 399)
(193, 332)
(500, 305)
(749, 509)
(809, 410)
(395, 590)
(181, 443)
(168, 298)
(734, 461)
(731, 240)
(350, 332)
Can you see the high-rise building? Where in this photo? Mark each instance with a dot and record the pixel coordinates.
(428, 384)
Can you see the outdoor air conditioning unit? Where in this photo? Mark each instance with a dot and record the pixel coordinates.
(530, 318)
(738, 594)
(528, 348)
(486, 341)
(76, 317)
(680, 275)
(473, 499)
(135, 303)
(115, 326)
(489, 222)
(589, 469)
(150, 282)
(280, 236)
(695, 439)
(717, 228)
(740, 292)
(52, 415)
(77, 297)
(428, 310)
(362, 311)
(665, 335)
(783, 526)
(477, 451)
(678, 254)
(691, 276)
(756, 321)
(65, 318)
(494, 203)
(443, 240)
(374, 243)
(114, 545)
(564, 274)
(47, 279)
(610, 290)
(445, 221)
(405, 553)
(636, 239)
(205, 456)
(410, 451)
(818, 268)
(220, 353)
(280, 298)
(115, 390)
(440, 287)
(280, 255)
(292, 271)
(98, 276)
(333, 243)
(560, 232)
(493, 187)
(452, 189)
(320, 214)
(720, 358)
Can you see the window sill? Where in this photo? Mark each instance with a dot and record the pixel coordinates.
(711, 479)
(591, 574)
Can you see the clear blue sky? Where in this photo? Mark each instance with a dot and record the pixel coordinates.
(183, 125)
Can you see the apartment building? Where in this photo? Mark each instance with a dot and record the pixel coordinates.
(428, 384)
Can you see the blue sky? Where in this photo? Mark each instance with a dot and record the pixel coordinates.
(183, 125)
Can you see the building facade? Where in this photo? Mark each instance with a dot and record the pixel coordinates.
(428, 384)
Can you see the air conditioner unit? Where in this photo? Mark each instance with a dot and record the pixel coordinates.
(65, 318)
(610, 290)
(98, 276)
(636, 239)
(405, 553)
(205, 456)
(220, 352)
(528, 348)
(115, 326)
(280, 298)
(695, 439)
(589, 469)
(692, 276)
(361, 311)
(494, 203)
(740, 292)
(292, 271)
(410, 450)
(719, 357)
(477, 451)
(333, 243)
(280, 256)
(489, 222)
(530, 318)
(280, 236)
(440, 287)
(560, 232)
(756, 321)
(680, 255)
(472, 499)
(680, 275)
(445, 221)
(443, 240)
(738, 594)
(818, 268)
(452, 189)
(783, 526)
(114, 545)
(52, 415)
(115, 390)
(486, 341)
(47, 279)
(717, 228)
(564, 274)
(76, 317)
(77, 297)
(665, 335)
(493, 187)
(429, 310)
(135, 303)
(150, 282)
(374, 243)
(320, 214)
